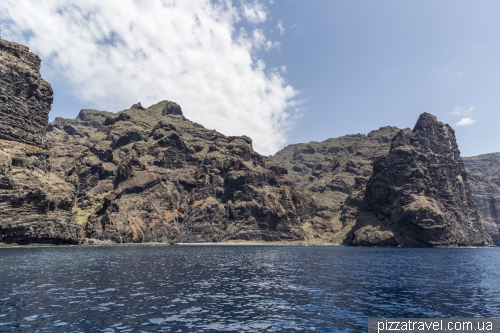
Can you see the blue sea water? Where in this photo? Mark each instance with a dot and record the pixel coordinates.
(240, 288)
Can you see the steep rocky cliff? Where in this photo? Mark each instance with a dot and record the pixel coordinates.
(335, 172)
(151, 175)
(35, 204)
(419, 178)
(418, 194)
(25, 98)
(484, 179)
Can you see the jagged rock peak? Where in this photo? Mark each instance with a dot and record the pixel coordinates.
(418, 194)
(171, 108)
(25, 97)
(137, 106)
(429, 135)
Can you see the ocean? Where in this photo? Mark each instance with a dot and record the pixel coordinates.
(238, 288)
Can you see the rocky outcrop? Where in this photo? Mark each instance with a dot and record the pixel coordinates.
(151, 175)
(484, 179)
(418, 194)
(335, 172)
(35, 203)
(25, 98)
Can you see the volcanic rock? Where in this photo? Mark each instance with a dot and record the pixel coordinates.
(335, 172)
(35, 204)
(418, 194)
(484, 179)
(153, 176)
(25, 98)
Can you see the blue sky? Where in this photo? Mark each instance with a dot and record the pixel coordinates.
(279, 71)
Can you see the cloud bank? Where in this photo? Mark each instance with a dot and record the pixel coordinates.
(117, 53)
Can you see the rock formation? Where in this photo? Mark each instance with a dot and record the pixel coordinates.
(25, 98)
(335, 172)
(419, 177)
(151, 175)
(418, 194)
(484, 179)
(35, 204)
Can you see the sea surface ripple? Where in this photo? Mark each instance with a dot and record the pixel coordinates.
(240, 288)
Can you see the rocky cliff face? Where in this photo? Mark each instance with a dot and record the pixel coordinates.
(151, 175)
(25, 98)
(484, 179)
(394, 187)
(35, 204)
(335, 172)
(418, 194)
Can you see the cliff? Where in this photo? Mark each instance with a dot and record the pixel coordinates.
(419, 194)
(151, 175)
(484, 179)
(394, 187)
(335, 172)
(35, 204)
(25, 97)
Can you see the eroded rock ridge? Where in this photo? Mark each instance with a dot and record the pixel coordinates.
(151, 175)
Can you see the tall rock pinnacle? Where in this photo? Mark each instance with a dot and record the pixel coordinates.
(418, 194)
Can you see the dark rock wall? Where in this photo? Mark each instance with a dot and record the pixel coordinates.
(25, 98)
(151, 175)
(484, 179)
(35, 204)
(418, 194)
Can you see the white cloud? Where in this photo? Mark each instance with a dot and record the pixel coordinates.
(460, 111)
(254, 12)
(465, 113)
(116, 53)
(465, 122)
(280, 27)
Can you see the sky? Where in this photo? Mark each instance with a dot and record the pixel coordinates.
(280, 71)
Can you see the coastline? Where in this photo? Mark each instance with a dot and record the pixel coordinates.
(100, 243)
(113, 244)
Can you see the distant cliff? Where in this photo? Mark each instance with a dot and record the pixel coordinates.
(35, 204)
(484, 178)
(151, 175)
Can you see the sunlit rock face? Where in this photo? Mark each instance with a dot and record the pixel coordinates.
(151, 175)
(335, 172)
(419, 194)
(35, 204)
